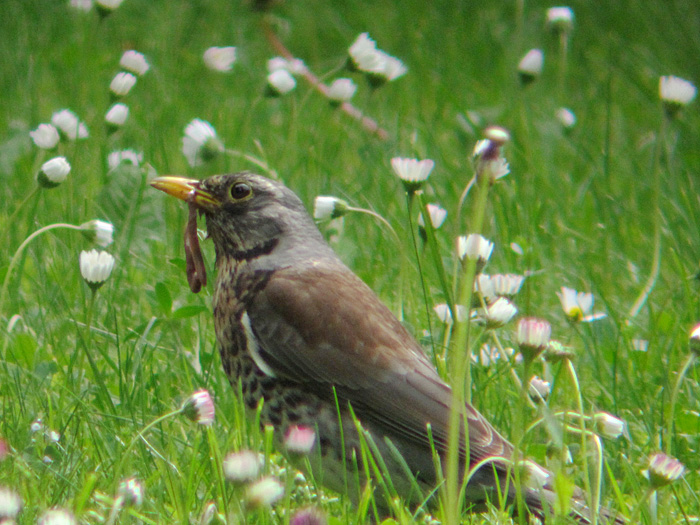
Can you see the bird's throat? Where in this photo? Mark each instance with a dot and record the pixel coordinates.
(248, 254)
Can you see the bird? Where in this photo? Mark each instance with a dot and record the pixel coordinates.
(300, 332)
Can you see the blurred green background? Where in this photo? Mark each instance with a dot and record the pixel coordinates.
(579, 202)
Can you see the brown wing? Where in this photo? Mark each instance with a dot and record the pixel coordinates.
(322, 326)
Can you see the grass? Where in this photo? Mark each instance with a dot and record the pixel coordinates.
(580, 203)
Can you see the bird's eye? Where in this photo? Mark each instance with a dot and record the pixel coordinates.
(240, 191)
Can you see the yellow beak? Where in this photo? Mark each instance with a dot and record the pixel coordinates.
(187, 190)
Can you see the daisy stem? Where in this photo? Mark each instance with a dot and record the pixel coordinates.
(674, 399)
(87, 347)
(653, 275)
(640, 505)
(254, 161)
(434, 250)
(460, 362)
(116, 508)
(439, 361)
(680, 505)
(656, 262)
(409, 206)
(378, 217)
(598, 481)
(120, 465)
(15, 257)
(464, 195)
(35, 168)
(513, 373)
(519, 21)
(218, 465)
(584, 434)
(518, 435)
(21, 204)
(88, 336)
(563, 55)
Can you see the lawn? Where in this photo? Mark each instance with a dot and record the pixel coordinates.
(606, 205)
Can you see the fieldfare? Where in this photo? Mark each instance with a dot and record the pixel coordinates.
(299, 330)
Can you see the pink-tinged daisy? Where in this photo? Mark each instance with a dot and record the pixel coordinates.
(199, 407)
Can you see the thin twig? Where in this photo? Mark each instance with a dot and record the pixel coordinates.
(368, 123)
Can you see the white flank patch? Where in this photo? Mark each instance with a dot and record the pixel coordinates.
(252, 345)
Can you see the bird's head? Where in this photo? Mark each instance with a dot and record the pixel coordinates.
(247, 214)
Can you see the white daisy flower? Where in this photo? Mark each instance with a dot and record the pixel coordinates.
(608, 425)
(490, 355)
(498, 313)
(566, 118)
(392, 67)
(533, 474)
(122, 83)
(69, 124)
(125, 156)
(10, 504)
(560, 19)
(81, 5)
(299, 439)
(378, 65)
(45, 136)
(539, 389)
(437, 216)
(474, 246)
(443, 313)
(220, 58)
(530, 66)
(675, 93)
(241, 467)
(36, 426)
(107, 6)
(327, 207)
(117, 114)
(295, 66)
(53, 172)
(199, 407)
(577, 305)
(499, 285)
(412, 172)
(496, 169)
(200, 142)
(276, 63)
(264, 492)
(487, 156)
(695, 340)
(100, 232)
(341, 90)
(640, 345)
(664, 470)
(96, 267)
(131, 490)
(361, 48)
(57, 517)
(280, 82)
(134, 62)
(497, 134)
(532, 337)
